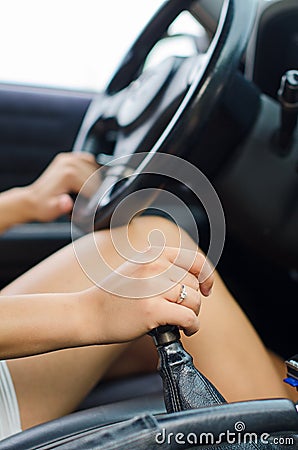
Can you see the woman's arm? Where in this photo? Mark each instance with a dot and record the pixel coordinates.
(47, 198)
(15, 207)
(34, 324)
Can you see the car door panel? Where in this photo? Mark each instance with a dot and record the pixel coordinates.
(35, 125)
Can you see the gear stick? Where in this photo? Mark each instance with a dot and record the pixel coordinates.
(184, 386)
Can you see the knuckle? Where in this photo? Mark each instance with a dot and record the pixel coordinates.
(198, 302)
(69, 172)
(190, 319)
(152, 252)
(154, 268)
(141, 270)
(196, 283)
(146, 270)
(61, 157)
(89, 157)
(158, 266)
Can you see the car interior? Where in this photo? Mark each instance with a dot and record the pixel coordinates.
(224, 97)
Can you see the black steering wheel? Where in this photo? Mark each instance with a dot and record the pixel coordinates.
(144, 111)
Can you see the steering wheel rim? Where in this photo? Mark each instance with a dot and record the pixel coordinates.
(206, 81)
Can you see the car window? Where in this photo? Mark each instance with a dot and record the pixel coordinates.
(73, 44)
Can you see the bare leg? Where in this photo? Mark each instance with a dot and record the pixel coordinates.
(227, 350)
(280, 367)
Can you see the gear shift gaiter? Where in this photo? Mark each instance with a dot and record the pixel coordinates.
(184, 386)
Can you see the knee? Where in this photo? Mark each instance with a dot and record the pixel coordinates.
(116, 244)
(155, 230)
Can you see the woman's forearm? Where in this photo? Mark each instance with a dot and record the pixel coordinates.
(122, 309)
(15, 208)
(34, 324)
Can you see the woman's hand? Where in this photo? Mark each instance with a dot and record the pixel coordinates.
(131, 301)
(49, 195)
(140, 296)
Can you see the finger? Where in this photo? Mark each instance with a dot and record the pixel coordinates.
(64, 203)
(173, 314)
(191, 301)
(86, 156)
(194, 262)
(179, 275)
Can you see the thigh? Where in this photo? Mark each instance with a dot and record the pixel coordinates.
(92, 257)
(229, 352)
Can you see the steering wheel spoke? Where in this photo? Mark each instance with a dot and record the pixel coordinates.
(161, 108)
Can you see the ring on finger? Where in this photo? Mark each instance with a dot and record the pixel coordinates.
(183, 294)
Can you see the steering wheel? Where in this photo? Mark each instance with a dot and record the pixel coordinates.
(144, 111)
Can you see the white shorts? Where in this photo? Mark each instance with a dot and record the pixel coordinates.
(10, 422)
